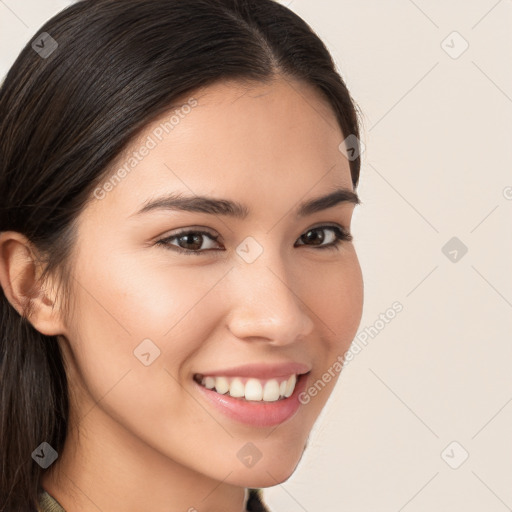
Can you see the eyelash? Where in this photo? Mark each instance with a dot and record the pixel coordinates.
(341, 236)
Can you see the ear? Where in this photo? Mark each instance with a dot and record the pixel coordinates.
(20, 270)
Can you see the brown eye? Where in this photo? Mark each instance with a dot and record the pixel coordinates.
(316, 236)
(189, 242)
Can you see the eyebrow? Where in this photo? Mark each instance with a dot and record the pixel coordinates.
(214, 206)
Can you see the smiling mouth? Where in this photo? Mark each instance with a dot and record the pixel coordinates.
(250, 389)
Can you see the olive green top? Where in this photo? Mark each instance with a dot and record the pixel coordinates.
(47, 503)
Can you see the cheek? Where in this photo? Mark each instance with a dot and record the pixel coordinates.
(126, 300)
(336, 298)
(120, 305)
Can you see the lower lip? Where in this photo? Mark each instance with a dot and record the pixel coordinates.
(258, 414)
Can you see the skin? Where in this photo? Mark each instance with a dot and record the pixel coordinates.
(146, 433)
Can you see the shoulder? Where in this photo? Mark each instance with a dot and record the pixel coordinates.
(48, 503)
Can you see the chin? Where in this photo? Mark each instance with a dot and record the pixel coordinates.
(268, 471)
(263, 477)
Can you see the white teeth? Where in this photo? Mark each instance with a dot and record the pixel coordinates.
(237, 389)
(221, 385)
(209, 382)
(271, 391)
(290, 386)
(254, 389)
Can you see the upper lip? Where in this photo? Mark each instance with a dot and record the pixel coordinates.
(261, 370)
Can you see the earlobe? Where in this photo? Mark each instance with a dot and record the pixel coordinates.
(20, 270)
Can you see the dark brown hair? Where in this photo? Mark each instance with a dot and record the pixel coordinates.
(66, 116)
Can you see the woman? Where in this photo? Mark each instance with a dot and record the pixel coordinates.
(177, 269)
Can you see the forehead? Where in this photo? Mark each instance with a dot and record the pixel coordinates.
(267, 140)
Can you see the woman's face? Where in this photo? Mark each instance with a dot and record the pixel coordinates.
(263, 297)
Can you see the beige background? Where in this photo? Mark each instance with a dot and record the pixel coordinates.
(438, 133)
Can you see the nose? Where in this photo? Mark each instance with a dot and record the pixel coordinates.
(266, 303)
